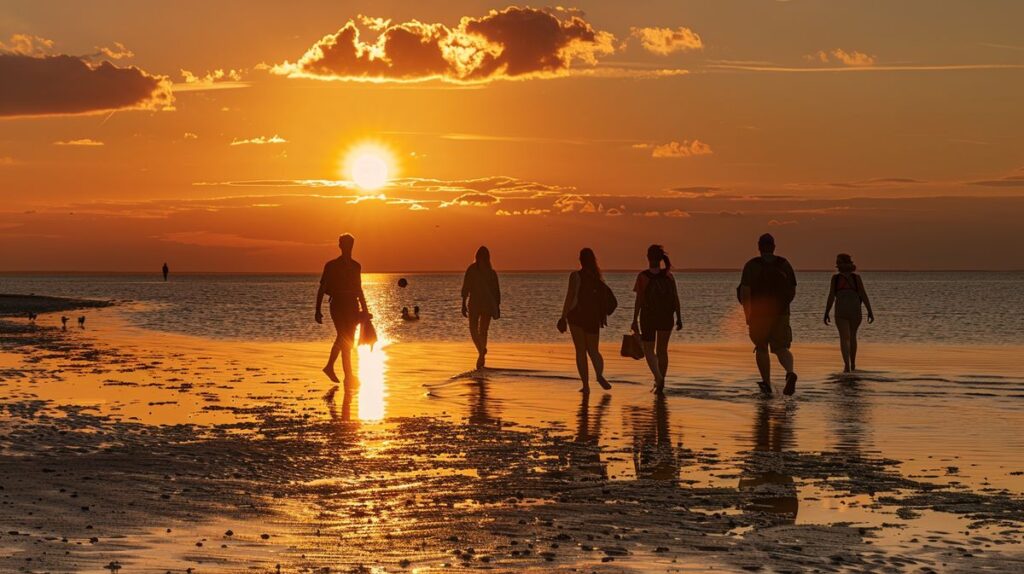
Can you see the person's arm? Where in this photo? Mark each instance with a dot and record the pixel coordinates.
(864, 298)
(639, 290)
(745, 292)
(571, 294)
(318, 316)
(497, 288)
(678, 309)
(360, 295)
(465, 290)
(831, 299)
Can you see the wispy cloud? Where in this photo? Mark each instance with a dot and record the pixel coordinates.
(86, 142)
(876, 68)
(664, 41)
(218, 79)
(674, 149)
(260, 140)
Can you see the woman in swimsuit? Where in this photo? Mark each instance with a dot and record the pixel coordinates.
(847, 292)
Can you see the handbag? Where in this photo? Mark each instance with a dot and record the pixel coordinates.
(367, 332)
(631, 347)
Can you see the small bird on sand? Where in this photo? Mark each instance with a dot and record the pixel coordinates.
(81, 321)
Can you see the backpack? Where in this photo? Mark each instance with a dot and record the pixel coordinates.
(659, 296)
(773, 282)
(595, 294)
(848, 301)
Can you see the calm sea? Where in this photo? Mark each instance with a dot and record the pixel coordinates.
(935, 307)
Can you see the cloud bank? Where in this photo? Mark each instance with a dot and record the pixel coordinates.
(511, 44)
(36, 83)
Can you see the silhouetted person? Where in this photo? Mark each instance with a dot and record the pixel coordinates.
(166, 271)
(585, 452)
(63, 322)
(657, 302)
(81, 321)
(32, 316)
(481, 301)
(767, 287)
(584, 312)
(848, 294)
(771, 489)
(407, 316)
(416, 311)
(654, 455)
(342, 280)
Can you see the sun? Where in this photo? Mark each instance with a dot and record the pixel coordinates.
(369, 166)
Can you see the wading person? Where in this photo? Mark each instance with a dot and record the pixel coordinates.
(342, 281)
(657, 302)
(767, 287)
(847, 293)
(481, 301)
(584, 312)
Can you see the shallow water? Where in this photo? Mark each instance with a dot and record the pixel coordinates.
(941, 307)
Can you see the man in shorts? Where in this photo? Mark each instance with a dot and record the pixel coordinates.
(342, 281)
(767, 287)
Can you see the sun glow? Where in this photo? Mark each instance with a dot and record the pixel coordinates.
(369, 166)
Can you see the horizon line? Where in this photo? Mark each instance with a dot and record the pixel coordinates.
(513, 271)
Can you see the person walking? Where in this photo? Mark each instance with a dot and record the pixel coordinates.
(847, 292)
(342, 281)
(767, 287)
(657, 302)
(481, 301)
(584, 313)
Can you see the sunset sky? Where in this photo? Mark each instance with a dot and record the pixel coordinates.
(225, 135)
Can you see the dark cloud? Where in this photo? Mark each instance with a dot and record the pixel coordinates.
(51, 85)
(514, 43)
(1009, 181)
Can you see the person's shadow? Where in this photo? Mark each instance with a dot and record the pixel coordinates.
(654, 455)
(585, 453)
(770, 490)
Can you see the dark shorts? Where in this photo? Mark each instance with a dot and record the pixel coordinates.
(649, 326)
(771, 332)
(346, 316)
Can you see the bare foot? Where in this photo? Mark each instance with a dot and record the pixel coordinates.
(585, 389)
(766, 388)
(659, 388)
(604, 383)
(329, 371)
(480, 362)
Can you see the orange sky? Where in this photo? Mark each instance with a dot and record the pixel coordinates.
(214, 135)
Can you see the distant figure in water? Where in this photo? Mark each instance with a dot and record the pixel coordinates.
(415, 316)
(63, 322)
(767, 287)
(848, 294)
(657, 303)
(166, 271)
(584, 312)
(81, 321)
(481, 301)
(342, 281)
(32, 317)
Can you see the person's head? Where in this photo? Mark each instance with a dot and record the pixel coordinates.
(766, 244)
(346, 242)
(656, 256)
(416, 309)
(844, 263)
(483, 257)
(588, 262)
(405, 310)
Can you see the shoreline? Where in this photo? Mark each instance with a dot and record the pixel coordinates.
(147, 448)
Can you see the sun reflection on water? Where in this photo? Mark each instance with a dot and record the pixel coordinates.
(372, 368)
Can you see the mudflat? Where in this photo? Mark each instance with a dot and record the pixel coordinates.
(127, 449)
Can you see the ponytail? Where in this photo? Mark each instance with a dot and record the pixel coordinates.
(656, 256)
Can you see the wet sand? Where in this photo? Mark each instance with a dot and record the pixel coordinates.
(147, 452)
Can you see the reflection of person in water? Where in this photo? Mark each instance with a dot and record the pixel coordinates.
(849, 413)
(771, 492)
(654, 455)
(483, 421)
(585, 452)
